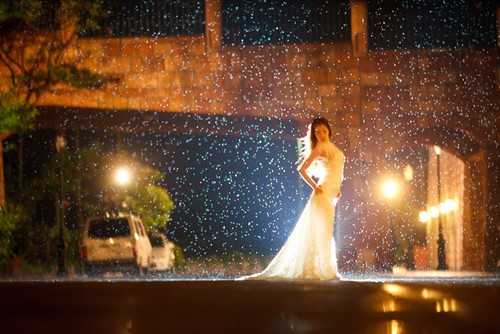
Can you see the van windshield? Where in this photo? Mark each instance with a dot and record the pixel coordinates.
(156, 241)
(109, 228)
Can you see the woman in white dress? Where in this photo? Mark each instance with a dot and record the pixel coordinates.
(309, 252)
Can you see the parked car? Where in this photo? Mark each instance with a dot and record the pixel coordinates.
(163, 257)
(116, 243)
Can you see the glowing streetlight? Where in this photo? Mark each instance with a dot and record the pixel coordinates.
(444, 207)
(450, 205)
(123, 176)
(453, 204)
(434, 212)
(60, 143)
(408, 173)
(437, 150)
(390, 188)
(423, 217)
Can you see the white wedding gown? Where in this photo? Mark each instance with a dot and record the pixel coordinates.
(309, 252)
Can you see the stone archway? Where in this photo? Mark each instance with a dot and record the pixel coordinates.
(463, 172)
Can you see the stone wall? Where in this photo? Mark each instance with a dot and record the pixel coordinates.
(294, 81)
(389, 90)
(167, 74)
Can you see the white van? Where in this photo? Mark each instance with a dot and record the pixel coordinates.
(116, 243)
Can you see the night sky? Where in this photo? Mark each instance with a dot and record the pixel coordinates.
(408, 24)
(392, 24)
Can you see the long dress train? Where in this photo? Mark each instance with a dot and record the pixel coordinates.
(309, 252)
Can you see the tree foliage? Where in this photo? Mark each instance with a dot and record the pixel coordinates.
(73, 174)
(15, 116)
(37, 51)
(152, 203)
(10, 218)
(144, 196)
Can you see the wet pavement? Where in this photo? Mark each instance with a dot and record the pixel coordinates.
(359, 304)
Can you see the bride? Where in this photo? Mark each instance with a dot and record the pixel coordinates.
(309, 252)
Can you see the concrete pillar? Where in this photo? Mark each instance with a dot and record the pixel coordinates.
(213, 25)
(359, 27)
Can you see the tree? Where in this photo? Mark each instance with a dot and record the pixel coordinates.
(80, 169)
(53, 197)
(36, 37)
(10, 217)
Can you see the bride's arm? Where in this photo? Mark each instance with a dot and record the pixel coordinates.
(305, 165)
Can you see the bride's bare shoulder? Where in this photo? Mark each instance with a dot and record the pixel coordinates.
(334, 150)
(334, 147)
(328, 147)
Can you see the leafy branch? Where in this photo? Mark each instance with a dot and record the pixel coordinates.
(39, 53)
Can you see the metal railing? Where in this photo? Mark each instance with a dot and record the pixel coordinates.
(282, 22)
(151, 18)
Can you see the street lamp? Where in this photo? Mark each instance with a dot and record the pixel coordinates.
(434, 212)
(448, 206)
(410, 262)
(408, 173)
(423, 217)
(61, 245)
(123, 176)
(440, 241)
(390, 189)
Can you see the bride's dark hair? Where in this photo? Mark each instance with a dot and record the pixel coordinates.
(309, 141)
(315, 123)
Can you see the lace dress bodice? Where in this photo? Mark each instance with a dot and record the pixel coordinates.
(329, 168)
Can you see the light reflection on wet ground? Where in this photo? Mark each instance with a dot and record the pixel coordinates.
(432, 277)
(357, 304)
